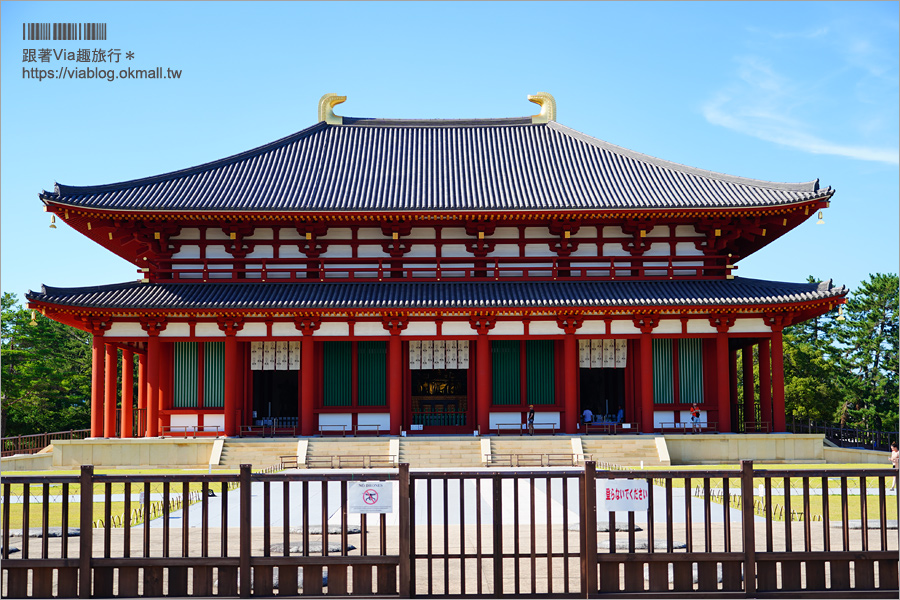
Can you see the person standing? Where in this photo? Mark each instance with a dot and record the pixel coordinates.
(895, 459)
(531, 419)
(695, 417)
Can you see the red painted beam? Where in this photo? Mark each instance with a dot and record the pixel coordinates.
(723, 396)
(394, 382)
(231, 391)
(307, 387)
(778, 409)
(127, 393)
(483, 375)
(153, 359)
(109, 403)
(646, 375)
(765, 382)
(570, 388)
(97, 357)
(749, 391)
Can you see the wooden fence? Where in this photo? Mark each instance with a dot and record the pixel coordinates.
(34, 443)
(491, 532)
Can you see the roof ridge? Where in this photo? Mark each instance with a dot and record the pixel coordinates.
(61, 189)
(807, 186)
(491, 122)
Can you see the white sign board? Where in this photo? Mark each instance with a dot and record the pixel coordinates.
(370, 497)
(622, 495)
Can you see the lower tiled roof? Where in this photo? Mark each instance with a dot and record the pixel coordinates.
(436, 295)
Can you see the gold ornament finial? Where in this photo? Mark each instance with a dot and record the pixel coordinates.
(326, 108)
(33, 320)
(52, 221)
(548, 107)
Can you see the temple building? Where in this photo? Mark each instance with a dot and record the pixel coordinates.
(435, 276)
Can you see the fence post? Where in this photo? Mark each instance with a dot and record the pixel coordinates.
(245, 575)
(749, 528)
(589, 529)
(497, 544)
(404, 510)
(85, 524)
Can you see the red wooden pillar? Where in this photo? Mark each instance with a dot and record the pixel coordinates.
(109, 393)
(778, 416)
(570, 379)
(126, 425)
(483, 375)
(142, 394)
(723, 393)
(153, 360)
(765, 383)
(733, 381)
(749, 392)
(97, 386)
(646, 375)
(395, 381)
(307, 387)
(231, 390)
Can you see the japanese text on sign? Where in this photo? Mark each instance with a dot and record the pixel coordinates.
(623, 495)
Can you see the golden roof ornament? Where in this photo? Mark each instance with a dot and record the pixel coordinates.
(326, 108)
(548, 107)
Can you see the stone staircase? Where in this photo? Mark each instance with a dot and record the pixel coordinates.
(378, 447)
(627, 450)
(261, 453)
(531, 444)
(441, 453)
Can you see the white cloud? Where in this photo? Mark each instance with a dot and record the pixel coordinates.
(762, 103)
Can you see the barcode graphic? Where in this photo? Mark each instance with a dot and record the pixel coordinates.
(63, 31)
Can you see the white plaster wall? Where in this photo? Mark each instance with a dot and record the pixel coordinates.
(457, 328)
(658, 231)
(538, 250)
(336, 329)
(341, 251)
(420, 233)
(383, 420)
(253, 330)
(614, 231)
(585, 249)
(418, 328)
(592, 328)
(188, 233)
(184, 420)
(422, 251)
(180, 330)
(455, 251)
(544, 328)
(700, 326)
(505, 417)
(284, 330)
(216, 233)
(657, 250)
(125, 330)
(208, 330)
(261, 233)
(214, 420)
(614, 249)
(622, 327)
(367, 233)
(369, 328)
(343, 233)
(290, 233)
(750, 326)
(188, 251)
(262, 251)
(663, 416)
(668, 326)
(336, 419)
(290, 251)
(508, 328)
(217, 252)
(585, 232)
(686, 231)
(506, 250)
(369, 252)
(687, 249)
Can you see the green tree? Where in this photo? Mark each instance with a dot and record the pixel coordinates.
(811, 375)
(46, 373)
(868, 342)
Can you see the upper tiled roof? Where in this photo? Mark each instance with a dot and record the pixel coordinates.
(436, 295)
(372, 165)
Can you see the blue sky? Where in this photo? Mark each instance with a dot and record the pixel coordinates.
(775, 91)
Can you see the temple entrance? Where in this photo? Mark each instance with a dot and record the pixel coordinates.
(603, 391)
(440, 401)
(275, 395)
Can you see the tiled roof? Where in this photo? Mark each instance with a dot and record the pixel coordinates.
(372, 165)
(436, 295)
